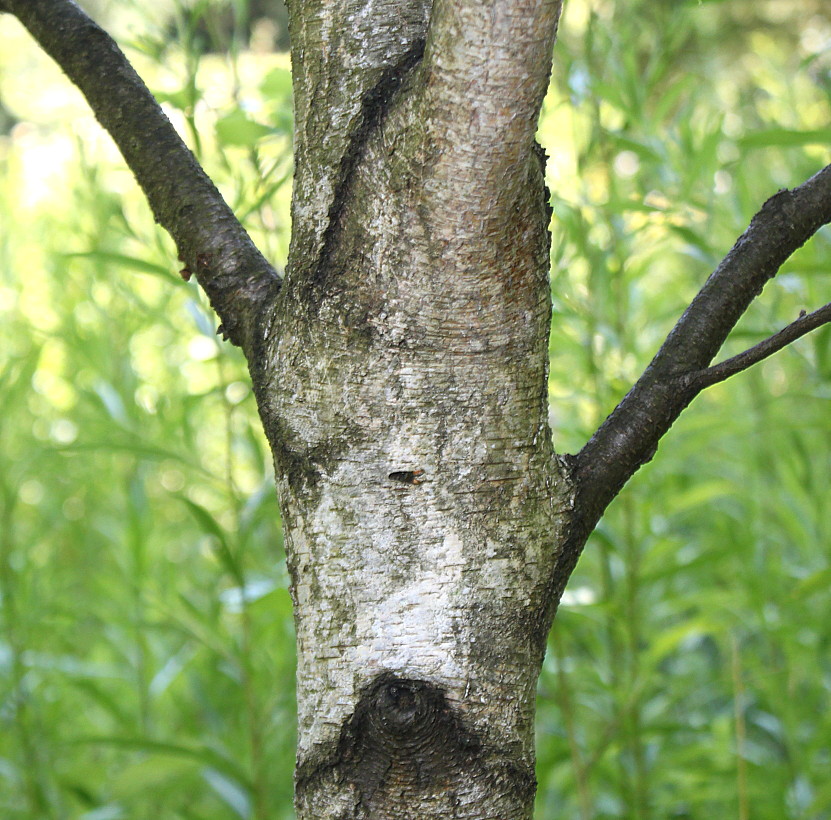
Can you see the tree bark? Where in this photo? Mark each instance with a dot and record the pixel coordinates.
(405, 398)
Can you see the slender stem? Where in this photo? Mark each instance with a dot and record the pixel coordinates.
(736, 364)
(567, 709)
(633, 613)
(740, 728)
(614, 650)
(142, 670)
(256, 745)
(21, 697)
(192, 60)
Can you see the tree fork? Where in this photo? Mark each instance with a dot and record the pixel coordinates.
(421, 494)
(401, 376)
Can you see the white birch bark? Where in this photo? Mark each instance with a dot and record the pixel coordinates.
(406, 401)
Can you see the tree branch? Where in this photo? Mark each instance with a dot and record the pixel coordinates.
(807, 322)
(211, 242)
(629, 436)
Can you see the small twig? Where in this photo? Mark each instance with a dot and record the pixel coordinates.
(680, 370)
(806, 322)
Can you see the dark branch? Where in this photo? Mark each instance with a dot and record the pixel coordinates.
(211, 242)
(736, 364)
(629, 436)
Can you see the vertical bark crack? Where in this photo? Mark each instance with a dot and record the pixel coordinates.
(374, 106)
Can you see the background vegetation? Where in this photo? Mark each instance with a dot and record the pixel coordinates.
(146, 646)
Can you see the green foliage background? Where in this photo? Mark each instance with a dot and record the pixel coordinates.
(146, 646)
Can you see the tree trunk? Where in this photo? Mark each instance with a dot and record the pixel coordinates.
(405, 398)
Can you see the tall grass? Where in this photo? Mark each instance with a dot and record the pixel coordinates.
(146, 646)
(687, 674)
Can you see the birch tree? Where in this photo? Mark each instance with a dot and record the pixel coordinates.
(400, 369)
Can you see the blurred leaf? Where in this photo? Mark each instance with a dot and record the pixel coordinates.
(671, 640)
(201, 319)
(183, 99)
(237, 129)
(110, 812)
(235, 598)
(212, 527)
(699, 243)
(230, 792)
(819, 581)
(137, 447)
(129, 262)
(822, 350)
(703, 494)
(277, 84)
(199, 754)
(112, 401)
(785, 138)
(644, 151)
(158, 775)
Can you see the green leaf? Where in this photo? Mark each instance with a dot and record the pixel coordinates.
(200, 753)
(815, 582)
(670, 640)
(697, 244)
(822, 351)
(183, 99)
(111, 400)
(16, 377)
(129, 262)
(237, 129)
(108, 812)
(703, 494)
(644, 151)
(785, 138)
(211, 526)
(277, 84)
(157, 774)
(230, 792)
(136, 447)
(235, 598)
